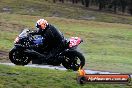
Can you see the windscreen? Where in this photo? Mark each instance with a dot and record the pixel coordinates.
(24, 33)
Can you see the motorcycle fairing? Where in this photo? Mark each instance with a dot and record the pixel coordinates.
(38, 40)
(74, 41)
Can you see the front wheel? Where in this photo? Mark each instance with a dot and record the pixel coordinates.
(73, 60)
(18, 57)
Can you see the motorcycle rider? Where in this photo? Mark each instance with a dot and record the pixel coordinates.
(53, 37)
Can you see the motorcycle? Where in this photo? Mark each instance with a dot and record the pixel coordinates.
(30, 48)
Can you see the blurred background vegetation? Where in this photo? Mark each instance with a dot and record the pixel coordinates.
(116, 6)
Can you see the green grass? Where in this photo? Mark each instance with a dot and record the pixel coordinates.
(27, 77)
(106, 46)
(66, 10)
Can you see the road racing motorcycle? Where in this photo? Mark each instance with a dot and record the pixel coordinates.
(28, 48)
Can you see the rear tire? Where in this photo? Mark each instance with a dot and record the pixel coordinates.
(71, 59)
(18, 57)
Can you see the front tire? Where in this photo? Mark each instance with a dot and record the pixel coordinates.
(18, 57)
(73, 60)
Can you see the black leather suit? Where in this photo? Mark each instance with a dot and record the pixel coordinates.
(53, 37)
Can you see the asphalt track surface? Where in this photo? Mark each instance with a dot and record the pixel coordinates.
(61, 68)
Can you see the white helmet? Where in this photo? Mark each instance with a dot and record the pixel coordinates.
(41, 24)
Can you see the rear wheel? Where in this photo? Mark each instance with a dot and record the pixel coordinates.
(73, 60)
(18, 57)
